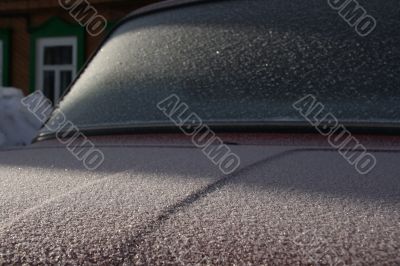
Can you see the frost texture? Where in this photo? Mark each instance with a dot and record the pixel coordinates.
(242, 61)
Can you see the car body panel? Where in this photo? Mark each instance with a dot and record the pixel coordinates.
(159, 199)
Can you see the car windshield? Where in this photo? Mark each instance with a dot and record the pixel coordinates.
(237, 62)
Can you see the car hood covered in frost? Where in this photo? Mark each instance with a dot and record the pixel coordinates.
(153, 202)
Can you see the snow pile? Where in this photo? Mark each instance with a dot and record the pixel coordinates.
(17, 125)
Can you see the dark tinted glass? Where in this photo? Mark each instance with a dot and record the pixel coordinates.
(1, 63)
(58, 55)
(65, 79)
(48, 84)
(243, 61)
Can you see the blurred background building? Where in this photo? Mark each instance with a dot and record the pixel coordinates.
(44, 43)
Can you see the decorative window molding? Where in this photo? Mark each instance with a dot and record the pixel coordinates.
(56, 65)
(5, 57)
(50, 31)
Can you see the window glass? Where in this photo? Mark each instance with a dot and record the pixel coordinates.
(65, 79)
(242, 61)
(48, 84)
(56, 65)
(58, 55)
(1, 63)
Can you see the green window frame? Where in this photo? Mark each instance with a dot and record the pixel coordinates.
(55, 28)
(5, 38)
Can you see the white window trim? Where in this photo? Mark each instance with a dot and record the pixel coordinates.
(40, 67)
(1, 62)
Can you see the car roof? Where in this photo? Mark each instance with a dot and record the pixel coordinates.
(161, 6)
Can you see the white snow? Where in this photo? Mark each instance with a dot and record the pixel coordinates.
(17, 125)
